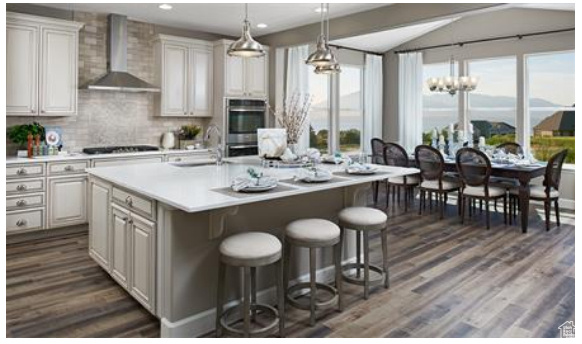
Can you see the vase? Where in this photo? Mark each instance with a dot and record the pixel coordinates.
(293, 147)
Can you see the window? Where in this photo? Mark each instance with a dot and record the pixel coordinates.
(351, 110)
(492, 105)
(550, 96)
(319, 113)
(439, 109)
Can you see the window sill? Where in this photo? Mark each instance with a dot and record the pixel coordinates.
(568, 167)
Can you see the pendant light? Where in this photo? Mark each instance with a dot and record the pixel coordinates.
(322, 56)
(333, 68)
(246, 46)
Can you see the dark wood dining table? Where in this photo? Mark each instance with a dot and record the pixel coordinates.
(523, 174)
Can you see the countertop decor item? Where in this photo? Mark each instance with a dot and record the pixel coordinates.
(272, 142)
(53, 136)
(293, 116)
(187, 135)
(18, 134)
(168, 140)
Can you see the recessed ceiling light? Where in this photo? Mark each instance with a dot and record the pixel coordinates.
(165, 7)
(262, 25)
(319, 10)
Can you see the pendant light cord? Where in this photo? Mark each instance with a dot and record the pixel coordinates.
(321, 20)
(327, 29)
(246, 12)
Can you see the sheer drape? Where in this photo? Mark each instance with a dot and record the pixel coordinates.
(410, 100)
(372, 100)
(297, 81)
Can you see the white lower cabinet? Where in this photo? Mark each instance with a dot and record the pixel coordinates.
(120, 244)
(67, 201)
(143, 262)
(99, 210)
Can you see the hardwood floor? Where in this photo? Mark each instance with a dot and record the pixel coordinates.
(447, 280)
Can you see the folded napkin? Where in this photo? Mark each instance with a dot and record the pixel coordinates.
(241, 183)
(310, 174)
(359, 168)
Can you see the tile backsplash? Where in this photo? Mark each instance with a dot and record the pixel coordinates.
(111, 118)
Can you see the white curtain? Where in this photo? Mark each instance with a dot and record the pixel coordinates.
(410, 100)
(297, 81)
(372, 100)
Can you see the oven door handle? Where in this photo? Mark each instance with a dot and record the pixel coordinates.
(242, 146)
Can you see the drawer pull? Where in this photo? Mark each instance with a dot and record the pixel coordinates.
(69, 168)
(129, 201)
(21, 223)
(178, 159)
(21, 187)
(130, 221)
(21, 203)
(21, 171)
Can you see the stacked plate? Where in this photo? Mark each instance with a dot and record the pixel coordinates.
(248, 184)
(361, 169)
(313, 175)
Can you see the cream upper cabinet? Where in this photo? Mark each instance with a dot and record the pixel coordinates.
(184, 74)
(42, 61)
(241, 77)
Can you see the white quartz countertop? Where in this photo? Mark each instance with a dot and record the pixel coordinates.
(83, 156)
(191, 188)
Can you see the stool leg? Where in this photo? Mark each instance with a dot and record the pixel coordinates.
(358, 253)
(286, 264)
(281, 297)
(338, 271)
(253, 294)
(384, 234)
(312, 285)
(246, 302)
(366, 264)
(220, 297)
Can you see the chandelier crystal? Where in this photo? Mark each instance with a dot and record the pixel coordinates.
(451, 84)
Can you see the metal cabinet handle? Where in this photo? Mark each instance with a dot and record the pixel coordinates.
(69, 168)
(21, 203)
(21, 171)
(32, 111)
(129, 201)
(21, 187)
(21, 222)
(178, 159)
(130, 221)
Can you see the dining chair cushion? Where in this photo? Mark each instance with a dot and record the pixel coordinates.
(538, 192)
(479, 191)
(410, 180)
(250, 249)
(363, 218)
(313, 231)
(434, 185)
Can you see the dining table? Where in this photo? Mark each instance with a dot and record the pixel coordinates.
(519, 172)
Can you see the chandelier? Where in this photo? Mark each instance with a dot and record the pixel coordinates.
(451, 84)
(323, 58)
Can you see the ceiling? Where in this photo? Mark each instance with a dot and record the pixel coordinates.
(385, 40)
(548, 6)
(221, 18)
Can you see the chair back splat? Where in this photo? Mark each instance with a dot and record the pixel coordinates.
(474, 167)
(395, 155)
(430, 162)
(378, 151)
(554, 170)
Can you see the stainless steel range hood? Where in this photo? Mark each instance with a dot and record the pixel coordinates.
(117, 78)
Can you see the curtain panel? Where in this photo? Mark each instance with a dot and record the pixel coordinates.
(410, 100)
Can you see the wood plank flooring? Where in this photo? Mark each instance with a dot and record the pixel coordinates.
(447, 280)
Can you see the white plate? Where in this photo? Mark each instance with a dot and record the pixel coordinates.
(259, 188)
(362, 172)
(318, 179)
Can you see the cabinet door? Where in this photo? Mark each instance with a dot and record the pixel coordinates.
(257, 76)
(175, 80)
(201, 83)
(67, 201)
(21, 70)
(99, 223)
(235, 70)
(143, 262)
(58, 71)
(120, 226)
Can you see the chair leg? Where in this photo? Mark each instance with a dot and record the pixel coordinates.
(420, 201)
(486, 211)
(358, 252)
(462, 207)
(253, 293)
(220, 297)
(398, 194)
(286, 264)
(246, 302)
(375, 186)
(557, 207)
(547, 211)
(366, 264)
(440, 203)
(406, 192)
(504, 209)
(470, 207)
(313, 288)
(281, 297)
(430, 201)
(384, 234)
(387, 195)
(480, 206)
(338, 272)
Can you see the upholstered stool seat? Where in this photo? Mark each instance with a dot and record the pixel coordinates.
(313, 234)
(248, 251)
(363, 220)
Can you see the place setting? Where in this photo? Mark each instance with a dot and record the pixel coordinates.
(251, 183)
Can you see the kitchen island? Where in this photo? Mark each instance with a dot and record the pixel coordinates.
(156, 229)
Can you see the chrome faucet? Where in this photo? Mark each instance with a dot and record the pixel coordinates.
(214, 128)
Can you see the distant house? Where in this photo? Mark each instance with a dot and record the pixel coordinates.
(488, 128)
(561, 123)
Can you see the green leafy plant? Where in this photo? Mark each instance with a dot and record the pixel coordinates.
(19, 133)
(189, 132)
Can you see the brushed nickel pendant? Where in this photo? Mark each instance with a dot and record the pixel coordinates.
(246, 46)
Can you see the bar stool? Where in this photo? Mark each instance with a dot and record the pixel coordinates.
(363, 220)
(313, 234)
(250, 250)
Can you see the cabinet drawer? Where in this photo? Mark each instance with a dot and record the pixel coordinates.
(24, 201)
(199, 158)
(120, 162)
(24, 171)
(71, 167)
(24, 185)
(24, 220)
(133, 202)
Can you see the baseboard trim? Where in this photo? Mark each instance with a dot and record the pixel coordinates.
(203, 323)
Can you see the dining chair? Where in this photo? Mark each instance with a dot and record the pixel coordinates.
(548, 191)
(396, 155)
(431, 164)
(474, 169)
(377, 146)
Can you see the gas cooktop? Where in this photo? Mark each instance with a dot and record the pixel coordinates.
(119, 149)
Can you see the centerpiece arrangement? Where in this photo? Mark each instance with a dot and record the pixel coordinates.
(293, 118)
(187, 135)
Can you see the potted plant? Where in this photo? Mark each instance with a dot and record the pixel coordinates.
(18, 134)
(187, 135)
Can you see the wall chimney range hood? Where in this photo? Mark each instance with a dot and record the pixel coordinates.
(117, 77)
